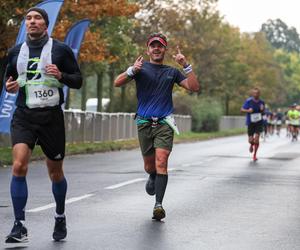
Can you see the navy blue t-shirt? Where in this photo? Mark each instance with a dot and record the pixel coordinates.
(154, 84)
(255, 105)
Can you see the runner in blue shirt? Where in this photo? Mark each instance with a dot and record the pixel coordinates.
(254, 108)
(154, 83)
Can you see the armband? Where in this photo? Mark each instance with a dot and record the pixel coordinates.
(130, 71)
(188, 69)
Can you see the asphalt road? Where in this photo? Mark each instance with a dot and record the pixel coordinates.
(217, 198)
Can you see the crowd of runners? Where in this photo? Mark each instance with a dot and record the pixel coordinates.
(263, 122)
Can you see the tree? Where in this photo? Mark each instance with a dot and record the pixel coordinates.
(281, 36)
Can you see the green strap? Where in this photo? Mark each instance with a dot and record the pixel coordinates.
(143, 121)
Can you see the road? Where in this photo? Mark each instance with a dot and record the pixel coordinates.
(217, 198)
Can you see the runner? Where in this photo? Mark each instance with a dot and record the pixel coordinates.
(278, 121)
(264, 134)
(271, 122)
(294, 121)
(254, 108)
(154, 83)
(37, 70)
(287, 122)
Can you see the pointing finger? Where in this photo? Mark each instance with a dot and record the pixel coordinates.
(178, 49)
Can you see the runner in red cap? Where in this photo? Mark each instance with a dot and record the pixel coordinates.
(156, 127)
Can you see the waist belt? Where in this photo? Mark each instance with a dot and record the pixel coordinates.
(154, 121)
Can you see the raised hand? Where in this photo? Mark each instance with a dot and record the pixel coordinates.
(137, 66)
(11, 85)
(180, 58)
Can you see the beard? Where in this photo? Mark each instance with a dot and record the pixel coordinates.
(158, 59)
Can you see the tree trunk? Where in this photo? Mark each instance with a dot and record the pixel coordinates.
(123, 98)
(67, 104)
(227, 100)
(111, 74)
(99, 91)
(83, 89)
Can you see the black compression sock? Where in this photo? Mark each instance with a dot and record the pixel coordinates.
(160, 186)
(153, 175)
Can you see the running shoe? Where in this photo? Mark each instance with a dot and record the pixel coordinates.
(18, 234)
(158, 212)
(150, 185)
(60, 229)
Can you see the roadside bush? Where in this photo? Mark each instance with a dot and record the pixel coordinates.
(205, 111)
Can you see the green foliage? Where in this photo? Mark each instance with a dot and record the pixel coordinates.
(290, 64)
(206, 115)
(281, 36)
(206, 112)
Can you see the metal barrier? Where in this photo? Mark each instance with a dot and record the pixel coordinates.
(96, 127)
(83, 126)
(231, 122)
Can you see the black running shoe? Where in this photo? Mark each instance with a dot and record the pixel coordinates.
(18, 234)
(60, 229)
(150, 185)
(158, 212)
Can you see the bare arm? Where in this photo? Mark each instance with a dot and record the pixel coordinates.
(250, 110)
(124, 78)
(191, 82)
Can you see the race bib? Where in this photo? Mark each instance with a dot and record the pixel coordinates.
(256, 117)
(40, 96)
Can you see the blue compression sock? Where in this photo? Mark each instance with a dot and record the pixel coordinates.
(59, 190)
(19, 194)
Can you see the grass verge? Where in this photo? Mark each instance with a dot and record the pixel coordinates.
(88, 148)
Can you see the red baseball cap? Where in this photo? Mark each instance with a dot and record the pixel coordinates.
(157, 37)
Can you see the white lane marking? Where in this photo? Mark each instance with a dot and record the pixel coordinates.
(192, 164)
(198, 163)
(125, 183)
(210, 159)
(51, 205)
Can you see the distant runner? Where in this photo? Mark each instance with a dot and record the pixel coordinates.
(294, 121)
(254, 108)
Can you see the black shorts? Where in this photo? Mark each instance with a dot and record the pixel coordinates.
(255, 128)
(42, 127)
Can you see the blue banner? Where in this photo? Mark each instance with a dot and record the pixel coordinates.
(7, 100)
(74, 39)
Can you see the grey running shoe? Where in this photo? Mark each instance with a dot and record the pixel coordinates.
(18, 234)
(150, 185)
(158, 212)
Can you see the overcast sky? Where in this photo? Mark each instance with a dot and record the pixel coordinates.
(249, 15)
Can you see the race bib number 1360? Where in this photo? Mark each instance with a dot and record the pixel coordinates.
(39, 96)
